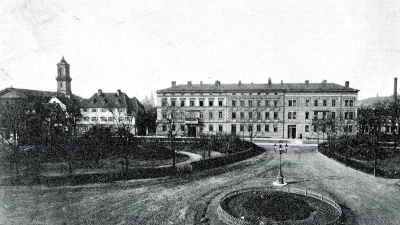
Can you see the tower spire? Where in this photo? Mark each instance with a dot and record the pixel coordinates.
(63, 78)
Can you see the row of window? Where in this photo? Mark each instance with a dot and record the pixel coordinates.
(100, 110)
(105, 119)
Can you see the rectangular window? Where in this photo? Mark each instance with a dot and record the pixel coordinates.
(259, 115)
(219, 102)
(346, 102)
(333, 102)
(220, 128)
(315, 102)
(211, 128)
(241, 127)
(233, 115)
(294, 115)
(289, 115)
(250, 115)
(191, 103)
(258, 127)
(104, 119)
(182, 127)
(275, 129)
(250, 127)
(103, 110)
(307, 115)
(307, 102)
(266, 128)
(323, 115)
(241, 102)
(250, 102)
(173, 102)
(351, 102)
(84, 110)
(333, 115)
(315, 129)
(94, 110)
(182, 103)
(201, 115)
(276, 103)
(210, 103)
(292, 102)
(164, 102)
(164, 128)
(350, 128)
(220, 115)
(266, 102)
(324, 102)
(110, 119)
(86, 118)
(233, 128)
(164, 115)
(307, 128)
(346, 115)
(94, 119)
(275, 115)
(233, 102)
(315, 114)
(201, 103)
(210, 115)
(267, 115)
(241, 115)
(351, 115)
(258, 102)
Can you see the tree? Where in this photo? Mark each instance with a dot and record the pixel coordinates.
(250, 125)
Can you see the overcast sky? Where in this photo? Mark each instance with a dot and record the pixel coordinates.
(139, 46)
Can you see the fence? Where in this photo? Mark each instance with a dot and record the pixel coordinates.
(229, 219)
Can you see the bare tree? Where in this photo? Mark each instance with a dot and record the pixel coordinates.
(250, 125)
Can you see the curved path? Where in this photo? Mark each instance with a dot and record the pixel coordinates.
(178, 200)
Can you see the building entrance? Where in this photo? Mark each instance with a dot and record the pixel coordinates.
(292, 131)
(192, 131)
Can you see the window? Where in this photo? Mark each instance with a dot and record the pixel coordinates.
(351, 103)
(233, 128)
(210, 102)
(182, 103)
(86, 118)
(333, 102)
(104, 119)
(219, 102)
(233, 102)
(173, 102)
(259, 115)
(292, 102)
(266, 102)
(164, 115)
(324, 102)
(220, 128)
(250, 102)
(211, 128)
(94, 110)
(241, 102)
(307, 115)
(307, 128)
(315, 114)
(346, 115)
(294, 115)
(250, 115)
(220, 115)
(191, 102)
(275, 128)
(315, 129)
(233, 115)
(266, 128)
(201, 103)
(307, 102)
(250, 127)
(258, 102)
(323, 115)
(351, 115)
(258, 127)
(350, 128)
(346, 102)
(94, 119)
(84, 110)
(241, 127)
(201, 115)
(103, 110)
(315, 102)
(275, 115)
(333, 114)
(289, 115)
(110, 119)
(267, 115)
(164, 102)
(241, 115)
(210, 115)
(182, 127)
(276, 103)
(164, 128)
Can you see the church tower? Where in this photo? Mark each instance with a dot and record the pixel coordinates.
(63, 78)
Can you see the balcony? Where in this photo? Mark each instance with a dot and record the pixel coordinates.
(193, 120)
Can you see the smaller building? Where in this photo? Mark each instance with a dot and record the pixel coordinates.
(109, 109)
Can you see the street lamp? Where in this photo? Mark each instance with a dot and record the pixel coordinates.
(280, 181)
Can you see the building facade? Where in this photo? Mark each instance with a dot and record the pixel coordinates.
(293, 110)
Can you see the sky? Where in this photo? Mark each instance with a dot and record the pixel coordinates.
(141, 46)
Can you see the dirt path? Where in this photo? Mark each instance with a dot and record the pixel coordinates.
(178, 200)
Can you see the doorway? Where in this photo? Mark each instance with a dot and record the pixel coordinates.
(292, 131)
(191, 131)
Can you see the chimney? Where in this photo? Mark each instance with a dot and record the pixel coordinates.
(119, 92)
(269, 81)
(99, 92)
(173, 83)
(307, 82)
(201, 83)
(347, 84)
(189, 83)
(217, 82)
(281, 81)
(395, 88)
(324, 81)
(240, 82)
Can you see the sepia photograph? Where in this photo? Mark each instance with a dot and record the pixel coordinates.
(179, 112)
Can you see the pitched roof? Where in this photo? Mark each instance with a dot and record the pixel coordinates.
(283, 87)
(42, 95)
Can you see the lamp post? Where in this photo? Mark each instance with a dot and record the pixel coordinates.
(280, 181)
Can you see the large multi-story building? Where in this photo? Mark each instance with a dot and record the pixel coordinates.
(284, 110)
